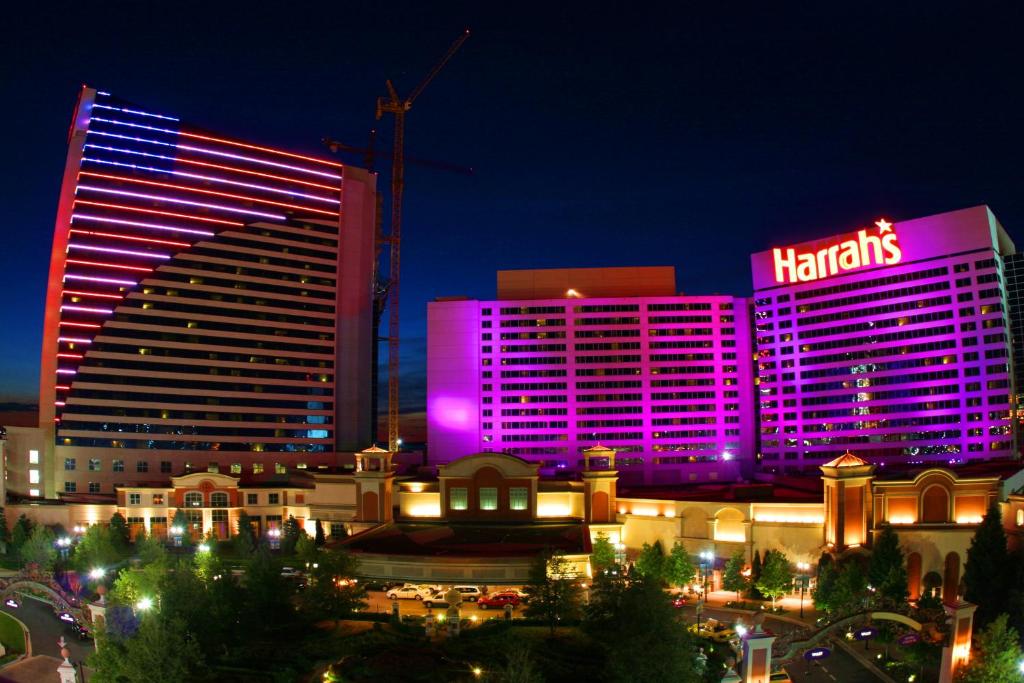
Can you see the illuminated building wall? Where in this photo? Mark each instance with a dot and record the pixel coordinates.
(891, 341)
(208, 303)
(586, 356)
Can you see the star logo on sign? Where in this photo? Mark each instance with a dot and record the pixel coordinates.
(884, 226)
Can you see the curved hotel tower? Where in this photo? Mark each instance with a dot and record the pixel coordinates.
(208, 304)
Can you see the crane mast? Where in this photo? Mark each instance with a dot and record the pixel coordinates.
(398, 107)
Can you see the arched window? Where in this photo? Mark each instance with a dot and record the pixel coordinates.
(193, 499)
(218, 499)
(935, 505)
(1020, 517)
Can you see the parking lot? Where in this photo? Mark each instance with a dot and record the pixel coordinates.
(377, 601)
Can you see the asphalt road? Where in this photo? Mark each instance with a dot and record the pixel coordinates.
(45, 629)
(377, 602)
(839, 667)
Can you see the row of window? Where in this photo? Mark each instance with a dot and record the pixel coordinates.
(142, 466)
(487, 498)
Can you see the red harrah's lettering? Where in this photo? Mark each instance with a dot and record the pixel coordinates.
(865, 250)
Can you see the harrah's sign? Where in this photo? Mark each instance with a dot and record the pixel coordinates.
(866, 249)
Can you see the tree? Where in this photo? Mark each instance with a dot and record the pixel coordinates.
(267, 606)
(755, 576)
(290, 535)
(850, 588)
(520, 665)
(95, 550)
(22, 530)
(119, 534)
(823, 593)
(306, 551)
(39, 549)
(651, 562)
(602, 555)
(986, 571)
(331, 592)
(150, 550)
(180, 521)
(733, 579)
(159, 645)
(320, 539)
(245, 540)
(638, 628)
(678, 566)
(5, 532)
(553, 591)
(776, 576)
(887, 570)
(998, 655)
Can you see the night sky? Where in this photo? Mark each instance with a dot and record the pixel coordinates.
(602, 134)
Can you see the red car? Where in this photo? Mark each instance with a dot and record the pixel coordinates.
(498, 600)
(679, 601)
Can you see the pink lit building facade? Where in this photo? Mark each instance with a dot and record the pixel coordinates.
(566, 359)
(891, 341)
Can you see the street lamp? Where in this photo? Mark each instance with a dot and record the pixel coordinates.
(144, 604)
(203, 547)
(804, 579)
(176, 532)
(275, 538)
(706, 556)
(63, 546)
(97, 573)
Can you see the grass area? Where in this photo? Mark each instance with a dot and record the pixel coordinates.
(11, 634)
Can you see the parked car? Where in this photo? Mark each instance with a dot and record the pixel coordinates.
(378, 585)
(435, 600)
(470, 593)
(407, 593)
(498, 600)
(780, 676)
(290, 572)
(715, 630)
(679, 601)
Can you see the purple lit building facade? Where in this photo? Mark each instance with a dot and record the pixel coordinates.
(565, 359)
(892, 341)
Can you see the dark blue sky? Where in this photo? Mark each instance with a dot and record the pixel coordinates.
(602, 133)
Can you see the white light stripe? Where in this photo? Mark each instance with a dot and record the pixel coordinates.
(154, 226)
(126, 252)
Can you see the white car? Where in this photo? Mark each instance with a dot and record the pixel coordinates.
(470, 593)
(407, 593)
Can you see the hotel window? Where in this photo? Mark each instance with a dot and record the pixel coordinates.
(338, 530)
(236, 468)
(1020, 517)
(165, 466)
(94, 464)
(69, 464)
(70, 487)
(34, 493)
(135, 499)
(94, 487)
(33, 457)
(218, 500)
(193, 499)
(518, 497)
(158, 499)
(488, 498)
(273, 498)
(257, 468)
(279, 468)
(117, 466)
(213, 468)
(252, 499)
(33, 476)
(458, 498)
(142, 466)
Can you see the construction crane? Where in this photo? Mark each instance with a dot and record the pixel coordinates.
(381, 287)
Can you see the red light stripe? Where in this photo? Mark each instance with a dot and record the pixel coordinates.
(333, 188)
(96, 294)
(110, 265)
(195, 136)
(162, 213)
(70, 355)
(184, 188)
(128, 237)
(65, 323)
(61, 387)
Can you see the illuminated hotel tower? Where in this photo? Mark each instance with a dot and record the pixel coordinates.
(891, 342)
(208, 304)
(567, 359)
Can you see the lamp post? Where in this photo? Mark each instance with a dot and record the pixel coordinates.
(176, 532)
(804, 579)
(706, 556)
(275, 538)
